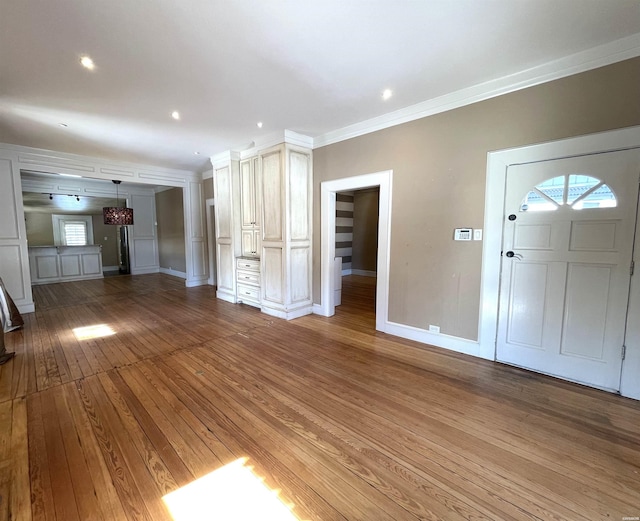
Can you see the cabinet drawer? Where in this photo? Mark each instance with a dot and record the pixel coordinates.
(248, 277)
(248, 293)
(248, 264)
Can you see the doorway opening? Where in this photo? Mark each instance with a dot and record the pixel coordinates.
(382, 183)
(211, 240)
(357, 250)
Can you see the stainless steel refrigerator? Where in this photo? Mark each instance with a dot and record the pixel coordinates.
(123, 250)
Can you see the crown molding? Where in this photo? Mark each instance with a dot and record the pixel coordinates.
(583, 61)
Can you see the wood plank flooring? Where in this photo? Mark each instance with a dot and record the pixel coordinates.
(345, 422)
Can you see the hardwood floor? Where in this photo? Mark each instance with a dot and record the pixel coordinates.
(345, 422)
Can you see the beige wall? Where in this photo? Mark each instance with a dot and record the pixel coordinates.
(171, 238)
(439, 172)
(107, 236)
(365, 230)
(207, 188)
(39, 229)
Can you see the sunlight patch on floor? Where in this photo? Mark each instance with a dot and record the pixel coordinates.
(95, 331)
(233, 493)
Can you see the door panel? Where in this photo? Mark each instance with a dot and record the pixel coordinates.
(569, 227)
(587, 301)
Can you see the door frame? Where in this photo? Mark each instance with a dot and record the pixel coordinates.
(497, 164)
(328, 191)
(211, 240)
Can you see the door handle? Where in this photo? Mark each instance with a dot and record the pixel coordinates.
(512, 254)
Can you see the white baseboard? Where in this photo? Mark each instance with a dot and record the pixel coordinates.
(26, 308)
(175, 273)
(226, 296)
(110, 268)
(346, 272)
(145, 271)
(210, 281)
(364, 273)
(288, 315)
(194, 283)
(318, 309)
(454, 343)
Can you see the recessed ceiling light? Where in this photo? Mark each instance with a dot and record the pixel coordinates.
(197, 153)
(175, 114)
(87, 63)
(259, 124)
(386, 94)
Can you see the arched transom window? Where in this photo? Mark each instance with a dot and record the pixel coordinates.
(575, 191)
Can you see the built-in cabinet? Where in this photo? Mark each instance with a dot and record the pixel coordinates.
(250, 206)
(263, 227)
(49, 264)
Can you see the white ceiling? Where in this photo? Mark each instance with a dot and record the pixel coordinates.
(311, 66)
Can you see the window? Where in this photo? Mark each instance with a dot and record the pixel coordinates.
(75, 233)
(576, 191)
(72, 230)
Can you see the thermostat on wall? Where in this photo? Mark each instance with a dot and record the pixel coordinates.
(462, 234)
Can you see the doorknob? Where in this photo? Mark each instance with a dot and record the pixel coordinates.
(512, 254)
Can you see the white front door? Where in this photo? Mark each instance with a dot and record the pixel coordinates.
(567, 250)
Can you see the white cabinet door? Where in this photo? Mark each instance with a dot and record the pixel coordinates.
(250, 241)
(251, 207)
(567, 248)
(247, 194)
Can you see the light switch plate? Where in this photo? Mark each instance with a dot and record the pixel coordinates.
(477, 235)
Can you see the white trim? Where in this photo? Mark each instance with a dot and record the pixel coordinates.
(328, 190)
(110, 268)
(26, 308)
(600, 56)
(497, 164)
(318, 310)
(288, 315)
(347, 272)
(195, 283)
(175, 273)
(51, 161)
(276, 138)
(364, 273)
(453, 343)
(144, 271)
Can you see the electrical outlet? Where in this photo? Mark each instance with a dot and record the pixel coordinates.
(434, 329)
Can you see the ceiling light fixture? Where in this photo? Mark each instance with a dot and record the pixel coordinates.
(197, 153)
(386, 94)
(87, 63)
(259, 124)
(115, 214)
(175, 115)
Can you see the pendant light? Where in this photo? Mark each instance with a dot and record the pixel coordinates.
(117, 215)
